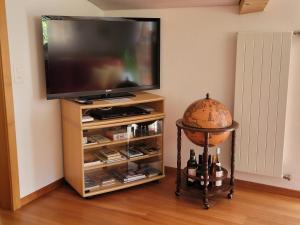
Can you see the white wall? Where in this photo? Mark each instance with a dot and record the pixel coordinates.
(38, 125)
(198, 56)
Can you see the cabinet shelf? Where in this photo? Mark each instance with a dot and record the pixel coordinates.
(121, 162)
(212, 191)
(211, 178)
(118, 185)
(122, 121)
(93, 146)
(139, 98)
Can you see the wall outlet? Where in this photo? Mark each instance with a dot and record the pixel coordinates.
(19, 74)
(287, 177)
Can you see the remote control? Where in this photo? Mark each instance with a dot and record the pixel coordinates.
(83, 101)
(86, 119)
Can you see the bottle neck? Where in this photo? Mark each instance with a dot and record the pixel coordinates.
(200, 160)
(214, 160)
(192, 154)
(218, 154)
(209, 160)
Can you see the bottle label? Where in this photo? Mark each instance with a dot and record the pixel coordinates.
(202, 181)
(219, 173)
(191, 172)
(218, 183)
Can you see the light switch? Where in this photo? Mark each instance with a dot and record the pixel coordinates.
(18, 74)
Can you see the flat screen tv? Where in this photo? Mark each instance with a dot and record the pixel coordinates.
(87, 56)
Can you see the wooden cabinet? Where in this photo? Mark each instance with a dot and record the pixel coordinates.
(75, 151)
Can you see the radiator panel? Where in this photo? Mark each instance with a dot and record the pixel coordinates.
(262, 70)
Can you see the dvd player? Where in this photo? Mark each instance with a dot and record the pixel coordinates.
(117, 112)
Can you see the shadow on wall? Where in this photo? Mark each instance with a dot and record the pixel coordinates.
(37, 60)
(292, 145)
(198, 70)
(45, 115)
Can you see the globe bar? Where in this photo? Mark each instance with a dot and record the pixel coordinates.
(207, 113)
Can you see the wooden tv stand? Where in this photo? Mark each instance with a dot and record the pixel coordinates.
(74, 149)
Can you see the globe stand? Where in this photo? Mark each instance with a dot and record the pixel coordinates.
(206, 131)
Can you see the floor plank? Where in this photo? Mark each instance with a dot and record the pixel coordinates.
(155, 203)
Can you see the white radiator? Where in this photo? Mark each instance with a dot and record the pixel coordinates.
(261, 83)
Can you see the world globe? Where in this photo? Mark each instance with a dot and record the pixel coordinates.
(207, 113)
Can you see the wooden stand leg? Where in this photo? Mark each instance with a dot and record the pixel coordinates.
(205, 156)
(230, 194)
(178, 180)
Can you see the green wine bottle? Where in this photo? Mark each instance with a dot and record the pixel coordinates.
(191, 168)
(200, 170)
(209, 184)
(219, 170)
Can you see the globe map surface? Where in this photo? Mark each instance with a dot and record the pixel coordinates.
(207, 113)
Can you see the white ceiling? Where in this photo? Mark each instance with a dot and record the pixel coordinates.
(152, 4)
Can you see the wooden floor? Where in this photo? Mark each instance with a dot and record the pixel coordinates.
(153, 204)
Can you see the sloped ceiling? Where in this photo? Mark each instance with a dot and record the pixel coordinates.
(152, 4)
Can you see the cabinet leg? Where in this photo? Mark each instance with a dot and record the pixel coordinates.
(205, 156)
(178, 179)
(205, 203)
(230, 194)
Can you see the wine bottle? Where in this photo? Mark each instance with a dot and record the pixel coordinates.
(209, 169)
(191, 168)
(219, 171)
(203, 170)
(213, 169)
(199, 171)
(209, 164)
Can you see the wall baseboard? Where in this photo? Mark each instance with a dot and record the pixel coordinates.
(267, 188)
(171, 171)
(254, 186)
(43, 191)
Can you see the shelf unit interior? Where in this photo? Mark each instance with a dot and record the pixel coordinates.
(107, 155)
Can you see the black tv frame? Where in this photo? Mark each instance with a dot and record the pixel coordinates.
(109, 92)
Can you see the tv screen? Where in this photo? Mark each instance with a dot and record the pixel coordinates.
(92, 56)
